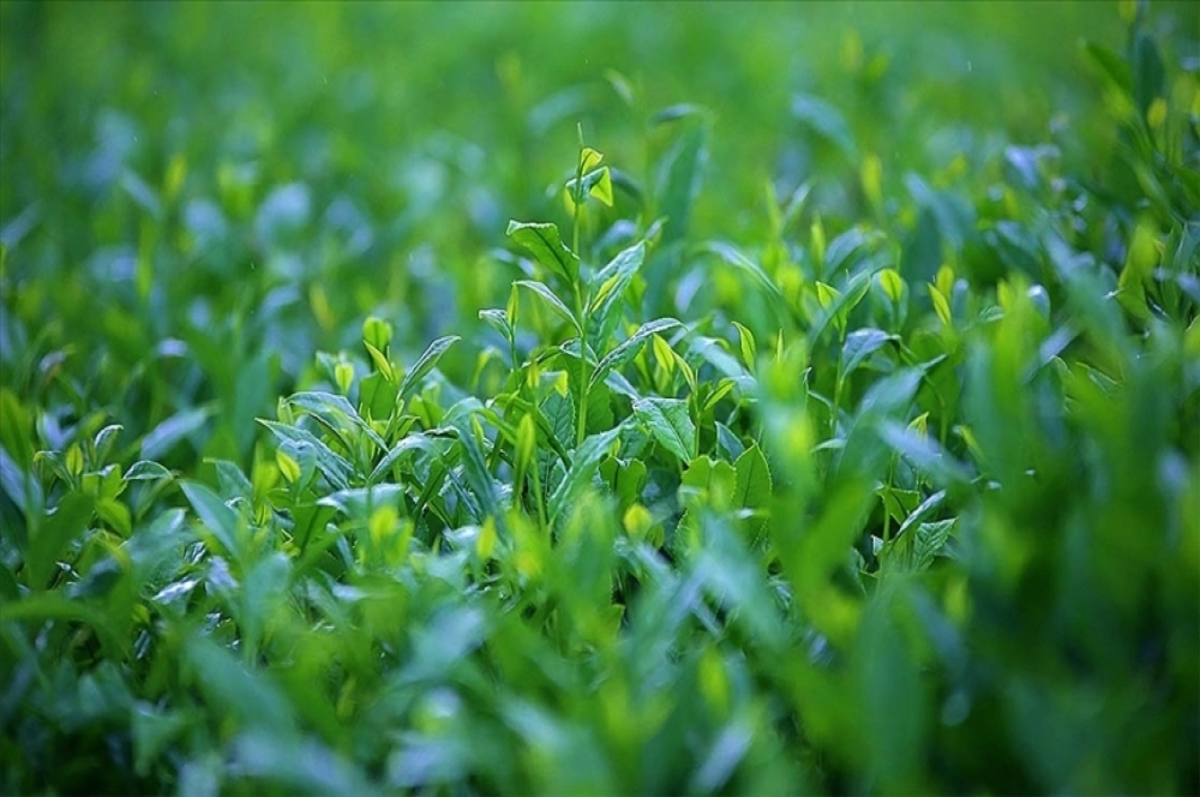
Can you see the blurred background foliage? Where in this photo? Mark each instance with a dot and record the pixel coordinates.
(252, 179)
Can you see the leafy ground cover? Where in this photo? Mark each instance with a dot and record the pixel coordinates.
(600, 399)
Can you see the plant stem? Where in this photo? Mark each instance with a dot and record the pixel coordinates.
(580, 299)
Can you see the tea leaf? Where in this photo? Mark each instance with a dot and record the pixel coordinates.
(584, 465)
(553, 302)
(544, 243)
(425, 363)
(670, 423)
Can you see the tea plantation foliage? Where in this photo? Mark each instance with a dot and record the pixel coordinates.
(600, 399)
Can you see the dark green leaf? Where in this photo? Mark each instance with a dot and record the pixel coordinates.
(670, 423)
(425, 364)
(584, 464)
(543, 242)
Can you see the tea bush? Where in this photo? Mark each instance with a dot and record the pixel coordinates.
(600, 399)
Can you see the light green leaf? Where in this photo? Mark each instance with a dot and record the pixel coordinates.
(892, 284)
(382, 364)
(589, 159)
(602, 190)
(377, 333)
(711, 481)
(749, 347)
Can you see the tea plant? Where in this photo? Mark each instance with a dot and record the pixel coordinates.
(895, 489)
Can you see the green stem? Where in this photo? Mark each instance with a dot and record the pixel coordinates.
(537, 491)
(837, 400)
(580, 299)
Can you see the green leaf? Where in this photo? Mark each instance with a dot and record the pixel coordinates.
(589, 159)
(497, 319)
(15, 429)
(480, 480)
(1110, 64)
(146, 470)
(52, 606)
(263, 589)
(712, 482)
(893, 695)
(105, 439)
(630, 479)
(836, 304)
(377, 333)
(425, 364)
(670, 424)
(413, 442)
(333, 466)
(828, 122)
(21, 487)
(941, 306)
(584, 464)
(336, 411)
(629, 348)
(925, 454)
(215, 514)
(153, 732)
(602, 189)
(383, 366)
(52, 536)
(733, 576)
(860, 344)
(712, 351)
(748, 347)
(679, 180)
(297, 766)
(930, 541)
(754, 486)
(163, 438)
(544, 243)
(735, 258)
(614, 279)
(234, 690)
(683, 110)
(377, 395)
(552, 301)
(1149, 75)
(892, 283)
(231, 481)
